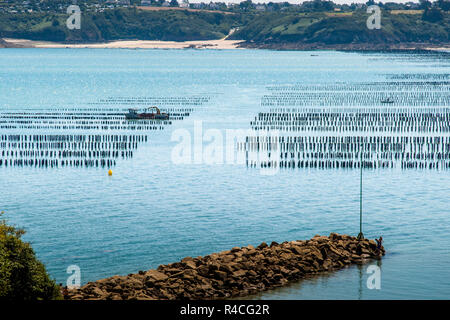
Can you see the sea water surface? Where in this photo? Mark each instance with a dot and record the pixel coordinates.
(152, 211)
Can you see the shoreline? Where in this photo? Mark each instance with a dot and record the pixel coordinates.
(238, 272)
(220, 44)
(355, 47)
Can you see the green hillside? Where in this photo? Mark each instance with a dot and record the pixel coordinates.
(282, 29)
(278, 29)
(129, 23)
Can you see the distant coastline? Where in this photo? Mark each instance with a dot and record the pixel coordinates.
(127, 44)
(299, 28)
(407, 46)
(221, 44)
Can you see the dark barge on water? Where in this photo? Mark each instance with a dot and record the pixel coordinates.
(387, 101)
(152, 113)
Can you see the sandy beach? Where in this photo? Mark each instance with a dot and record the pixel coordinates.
(132, 44)
(223, 43)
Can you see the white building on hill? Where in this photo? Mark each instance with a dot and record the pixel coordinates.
(146, 3)
(184, 4)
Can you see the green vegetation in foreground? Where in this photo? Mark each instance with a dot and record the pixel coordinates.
(22, 276)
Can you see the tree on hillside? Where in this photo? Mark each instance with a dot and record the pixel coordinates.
(273, 6)
(425, 4)
(433, 14)
(246, 5)
(318, 5)
(444, 4)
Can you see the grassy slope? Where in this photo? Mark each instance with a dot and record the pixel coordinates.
(318, 28)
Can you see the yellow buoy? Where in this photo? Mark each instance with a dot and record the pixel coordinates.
(110, 172)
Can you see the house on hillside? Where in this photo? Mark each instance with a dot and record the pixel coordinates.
(184, 4)
(146, 3)
(213, 6)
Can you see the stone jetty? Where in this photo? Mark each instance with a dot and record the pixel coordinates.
(237, 272)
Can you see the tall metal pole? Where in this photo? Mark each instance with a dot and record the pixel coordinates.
(360, 235)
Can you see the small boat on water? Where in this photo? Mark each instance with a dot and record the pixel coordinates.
(387, 100)
(152, 113)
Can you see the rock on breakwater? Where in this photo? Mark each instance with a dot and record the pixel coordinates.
(236, 272)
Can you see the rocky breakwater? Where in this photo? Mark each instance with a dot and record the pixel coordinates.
(236, 272)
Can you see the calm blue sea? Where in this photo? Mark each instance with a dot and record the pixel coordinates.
(152, 211)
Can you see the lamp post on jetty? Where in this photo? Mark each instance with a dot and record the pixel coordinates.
(360, 235)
